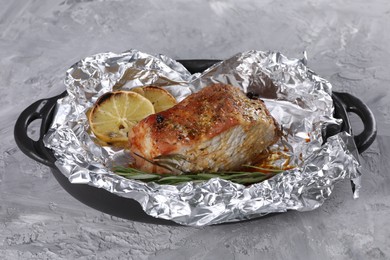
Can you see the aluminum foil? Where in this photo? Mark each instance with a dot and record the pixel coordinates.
(299, 100)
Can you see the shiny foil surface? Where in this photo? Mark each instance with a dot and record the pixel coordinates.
(297, 98)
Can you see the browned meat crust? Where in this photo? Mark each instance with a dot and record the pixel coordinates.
(218, 128)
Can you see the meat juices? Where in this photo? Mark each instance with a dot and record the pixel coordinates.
(216, 129)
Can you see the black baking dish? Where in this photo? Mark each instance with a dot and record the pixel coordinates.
(112, 204)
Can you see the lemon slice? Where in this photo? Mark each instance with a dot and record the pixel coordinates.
(115, 113)
(160, 98)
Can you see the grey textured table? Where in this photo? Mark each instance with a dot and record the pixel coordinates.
(347, 43)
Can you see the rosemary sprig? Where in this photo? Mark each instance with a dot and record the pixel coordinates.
(240, 177)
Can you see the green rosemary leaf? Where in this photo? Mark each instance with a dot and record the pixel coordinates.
(144, 176)
(174, 180)
(264, 169)
(242, 175)
(244, 178)
(207, 176)
(121, 169)
(249, 180)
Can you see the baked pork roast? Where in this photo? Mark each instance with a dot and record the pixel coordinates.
(216, 129)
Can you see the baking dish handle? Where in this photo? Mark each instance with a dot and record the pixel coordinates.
(41, 109)
(354, 105)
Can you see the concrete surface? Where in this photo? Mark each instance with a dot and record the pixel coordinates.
(347, 43)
